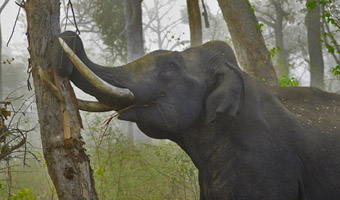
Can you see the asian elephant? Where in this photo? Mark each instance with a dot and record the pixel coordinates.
(248, 141)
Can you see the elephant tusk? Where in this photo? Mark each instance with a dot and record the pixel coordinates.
(83, 105)
(93, 106)
(96, 81)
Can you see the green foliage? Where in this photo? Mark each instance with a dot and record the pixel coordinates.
(273, 51)
(288, 82)
(252, 8)
(24, 194)
(8, 61)
(331, 17)
(336, 70)
(109, 17)
(259, 26)
(311, 4)
(123, 170)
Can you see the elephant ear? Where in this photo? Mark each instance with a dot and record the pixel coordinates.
(228, 94)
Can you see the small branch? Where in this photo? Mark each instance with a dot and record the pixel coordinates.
(4, 5)
(272, 25)
(15, 23)
(69, 4)
(205, 15)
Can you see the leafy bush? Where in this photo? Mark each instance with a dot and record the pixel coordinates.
(24, 194)
(123, 170)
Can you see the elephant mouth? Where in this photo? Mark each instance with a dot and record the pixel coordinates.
(144, 111)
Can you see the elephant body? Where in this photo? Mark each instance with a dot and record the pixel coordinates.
(247, 141)
(283, 147)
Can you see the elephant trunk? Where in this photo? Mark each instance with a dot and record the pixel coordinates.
(89, 76)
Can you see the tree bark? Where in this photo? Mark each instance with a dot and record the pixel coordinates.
(195, 22)
(248, 41)
(134, 29)
(316, 63)
(60, 124)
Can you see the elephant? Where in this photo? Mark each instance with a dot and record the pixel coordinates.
(247, 140)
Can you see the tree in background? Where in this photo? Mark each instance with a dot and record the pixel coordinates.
(60, 125)
(134, 41)
(154, 24)
(330, 14)
(276, 16)
(251, 51)
(109, 17)
(313, 25)
(217, 29)
(134, 29)
(195, 22)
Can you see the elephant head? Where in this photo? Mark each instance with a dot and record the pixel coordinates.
(167, 92)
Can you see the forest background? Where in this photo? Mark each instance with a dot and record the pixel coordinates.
(127, 164)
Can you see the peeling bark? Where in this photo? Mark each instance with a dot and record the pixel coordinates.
(60, 124)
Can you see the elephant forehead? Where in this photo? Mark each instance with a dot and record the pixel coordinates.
(142, 66)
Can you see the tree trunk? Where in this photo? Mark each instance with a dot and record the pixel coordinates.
(195, 22)
(248, 41)
(134, 29)
(314, 47)
(60, 124)
(282, 62)
(134, 40)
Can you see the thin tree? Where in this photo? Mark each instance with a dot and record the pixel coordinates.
(60, 124)
(154, 18)
(134, 29)
(276, 22)
(134, 40)
(316, 63)
(195, 23)
(248, 41)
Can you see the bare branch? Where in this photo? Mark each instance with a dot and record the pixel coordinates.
(3, 5)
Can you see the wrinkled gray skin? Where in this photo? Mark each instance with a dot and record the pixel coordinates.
(247, 141)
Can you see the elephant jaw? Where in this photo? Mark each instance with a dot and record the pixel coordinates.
(116, 93)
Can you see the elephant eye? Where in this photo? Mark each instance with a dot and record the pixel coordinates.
(172, 66)
(170, 69)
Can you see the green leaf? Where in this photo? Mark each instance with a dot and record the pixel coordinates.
(278, 49)
(329, 48)
(288, 82)
(336, 70)
(252, 8)
(260, 26)
(311, 4)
